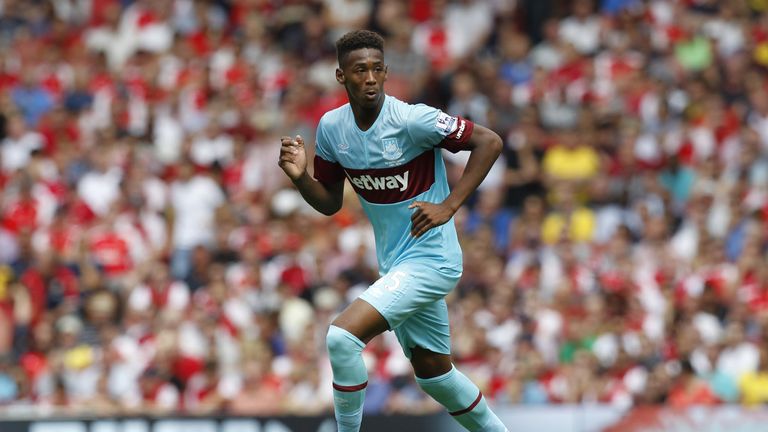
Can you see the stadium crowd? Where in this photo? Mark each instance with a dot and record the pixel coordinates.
(156, 260)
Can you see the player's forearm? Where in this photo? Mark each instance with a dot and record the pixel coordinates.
(487, 147)
(318, 196)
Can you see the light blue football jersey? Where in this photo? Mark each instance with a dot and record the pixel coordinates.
(395, 162)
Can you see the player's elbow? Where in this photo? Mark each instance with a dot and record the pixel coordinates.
(495, 144)
(330, 208)
(492, 143)
(488, 140)
(329, 211)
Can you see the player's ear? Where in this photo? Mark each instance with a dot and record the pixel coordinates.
(386, 72)
(340, 78)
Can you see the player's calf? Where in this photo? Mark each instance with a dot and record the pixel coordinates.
(350, 377)
(463, 400)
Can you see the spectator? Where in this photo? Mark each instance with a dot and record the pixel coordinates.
(583, 29)
(194, 199)
(31, 99)
(753, 385)
(571, 160)
(690, 390)
(19, 144)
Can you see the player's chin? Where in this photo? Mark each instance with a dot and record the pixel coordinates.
(369, 100)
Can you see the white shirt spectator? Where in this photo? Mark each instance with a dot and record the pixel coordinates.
(546, 56)
(184, 20)
(685, 243)
(740, 359)
(259, 172)
(99, 189)
(606, 349)
(346, 15)
(46, 204)
(124, 372)
(129, 227)
(9, 248)
(221, 61)
(177, 298)
(117, 46)
(73, 11)
(191, 341)
(155, 193)
(728, 34)
(16, 153)
(206, 149)
(168, 136)
(121, 41)
(468, 24)
(709, 328)
(82, 384)
(759, 123)
(155, 229)
(194, 203)
(192, 116)
(549, 325)
(169, 69)
(584, 34)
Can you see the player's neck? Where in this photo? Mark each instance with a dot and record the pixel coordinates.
(365, 117)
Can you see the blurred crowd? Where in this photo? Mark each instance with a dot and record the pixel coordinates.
(155, 259)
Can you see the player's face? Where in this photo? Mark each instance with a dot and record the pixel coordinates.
(363, 74)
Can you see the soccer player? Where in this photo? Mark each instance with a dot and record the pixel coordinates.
(390, 153)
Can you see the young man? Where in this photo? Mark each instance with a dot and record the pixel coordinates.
(390, 153)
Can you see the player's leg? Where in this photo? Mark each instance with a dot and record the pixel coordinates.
(425, 337)
(381, 307)
(346, 338)
(453, 390)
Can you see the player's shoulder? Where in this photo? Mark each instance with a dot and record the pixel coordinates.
(414, 111)
(401, 111)
(335, 117)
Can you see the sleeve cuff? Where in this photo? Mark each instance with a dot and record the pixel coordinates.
(328, 172)
(458, 140)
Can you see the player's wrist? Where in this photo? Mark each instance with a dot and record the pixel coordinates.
(452, 205)
(300, 178)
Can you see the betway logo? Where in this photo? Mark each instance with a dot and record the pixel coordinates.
(394, 184)
(368, 182)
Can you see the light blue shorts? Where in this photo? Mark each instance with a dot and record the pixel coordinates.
(411, 297)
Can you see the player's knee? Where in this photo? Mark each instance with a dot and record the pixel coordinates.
(334, 339)
(428, 364)
(342, 345)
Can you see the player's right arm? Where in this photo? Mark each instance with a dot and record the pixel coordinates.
(325, 197)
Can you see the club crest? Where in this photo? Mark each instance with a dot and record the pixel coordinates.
(391, 149)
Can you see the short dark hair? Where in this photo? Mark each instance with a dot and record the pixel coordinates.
(358, 39)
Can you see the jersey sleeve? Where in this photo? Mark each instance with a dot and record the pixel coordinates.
(327, 169)
(433, 128)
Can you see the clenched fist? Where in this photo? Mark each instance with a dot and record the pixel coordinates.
(293, 157)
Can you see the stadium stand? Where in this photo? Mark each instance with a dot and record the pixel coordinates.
(155, 259)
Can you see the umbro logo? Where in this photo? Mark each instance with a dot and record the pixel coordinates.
(461, 129)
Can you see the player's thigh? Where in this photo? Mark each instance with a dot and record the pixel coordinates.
(428, 329)
(362, 320)
(407, 289)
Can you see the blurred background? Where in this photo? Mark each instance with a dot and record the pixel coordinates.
(155, 259)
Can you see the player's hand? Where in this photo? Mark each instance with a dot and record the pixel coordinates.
(427, 216)
(293, 157)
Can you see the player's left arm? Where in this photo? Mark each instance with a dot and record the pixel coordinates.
(485, 147)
